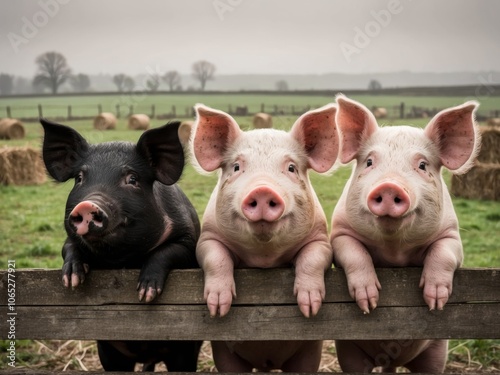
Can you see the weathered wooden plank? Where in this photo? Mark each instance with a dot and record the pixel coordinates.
(269, 286)
(273, 322)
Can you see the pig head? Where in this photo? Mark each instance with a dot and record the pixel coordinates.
(125, 211)
(263, 212)
(395, 210)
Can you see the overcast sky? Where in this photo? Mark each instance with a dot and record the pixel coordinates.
(252, 36)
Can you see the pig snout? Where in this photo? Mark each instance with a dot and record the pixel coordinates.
(87, 217)
(263, 203)
(388, 199)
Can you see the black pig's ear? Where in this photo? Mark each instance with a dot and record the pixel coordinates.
(63, 148)
(163, 149)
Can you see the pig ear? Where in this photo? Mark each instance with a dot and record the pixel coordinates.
(455, 132)
(355, 123)
(212, 133)
(63, 147)
(317, 132)
(163, 149)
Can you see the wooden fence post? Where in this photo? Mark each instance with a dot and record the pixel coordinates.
(402, 110)
(131, 110)
(153, 109)
(40, 112)
(69, 112)
(262, 107)
(174, 111)
(118, 111)
(8, 112)
(99, 109)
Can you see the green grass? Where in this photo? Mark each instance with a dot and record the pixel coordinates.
(88, 105)
(31, 217)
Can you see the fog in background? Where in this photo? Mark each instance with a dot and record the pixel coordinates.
(457, 39)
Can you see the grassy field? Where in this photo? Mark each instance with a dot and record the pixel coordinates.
(142, 102)
(31, 217)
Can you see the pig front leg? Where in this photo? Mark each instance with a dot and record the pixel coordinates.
(157, 266)
(310, 265)
(218, 267)
(74, 268)
(362, 280)
(442, 259)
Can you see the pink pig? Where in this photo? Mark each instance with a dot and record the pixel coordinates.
(264, 213)
(396, 211)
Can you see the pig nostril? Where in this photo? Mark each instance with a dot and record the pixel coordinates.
(253, 204)
(97, 216)
(77, 219)
(272, 204)
(378, 199)
(397, 200)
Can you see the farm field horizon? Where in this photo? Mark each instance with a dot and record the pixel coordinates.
(87, 105)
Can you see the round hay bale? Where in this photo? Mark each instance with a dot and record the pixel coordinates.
(481, 182)
(105, 121)
(11, 128)
(490, 145)
(185, 132)
(21, 166)
(495, 121)
(380, 112)
(262, 121)
(138, 122)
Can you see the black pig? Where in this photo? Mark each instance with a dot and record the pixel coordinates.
(125, 211)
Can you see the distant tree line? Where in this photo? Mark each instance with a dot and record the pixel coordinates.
(53, 71)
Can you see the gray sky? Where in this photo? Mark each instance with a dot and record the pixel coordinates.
(252, 36)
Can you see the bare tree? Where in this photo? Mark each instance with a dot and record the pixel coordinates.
(128, 83)
(282, 85)
(123, 82)
(53, 71)
(153, 82)
(203, 71)
(374, 85)
(119, 80)
(172, 79)
(6, 84)
(80, 82)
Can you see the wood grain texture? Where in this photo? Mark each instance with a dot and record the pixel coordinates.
(106, 307)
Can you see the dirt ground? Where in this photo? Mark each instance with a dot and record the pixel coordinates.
(82, 355)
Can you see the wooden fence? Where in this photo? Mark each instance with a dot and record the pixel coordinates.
(106, 307)
(84, 112)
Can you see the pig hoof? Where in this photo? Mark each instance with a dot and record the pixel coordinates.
(74, 274)
(148, 293)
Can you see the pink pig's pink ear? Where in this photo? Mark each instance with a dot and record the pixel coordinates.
(213, 131)
(455, 132)
(355, 123)
(317, 132)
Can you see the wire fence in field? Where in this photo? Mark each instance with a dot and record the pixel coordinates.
(89, 111)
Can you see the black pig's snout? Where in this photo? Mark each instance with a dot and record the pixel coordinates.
(87, 217)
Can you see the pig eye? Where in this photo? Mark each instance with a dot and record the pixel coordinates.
(422, 165)
(79, 178)
(236, 167)
(292, 168)
(131, 180)
(369, 162)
